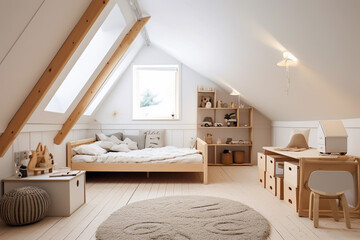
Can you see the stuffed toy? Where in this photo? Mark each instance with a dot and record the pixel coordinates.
(204, 101)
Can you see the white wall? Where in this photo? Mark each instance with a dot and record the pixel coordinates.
(116, 111)
(281, 133)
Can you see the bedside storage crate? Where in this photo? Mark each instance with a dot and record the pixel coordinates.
(67, 194)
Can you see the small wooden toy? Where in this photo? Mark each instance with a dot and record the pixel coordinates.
(41, 160)
(208, 138)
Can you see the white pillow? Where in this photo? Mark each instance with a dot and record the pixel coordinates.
(89, 149)
(305, 132)
(105, 144)
(131, 144)
(154, 139)
(120, 148)
(101, 137)
(114, 140)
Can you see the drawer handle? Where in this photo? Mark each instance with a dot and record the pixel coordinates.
(290, 201)
(271, 187)
(77, 183)
(270, 177)
(271, 161)
(261, 180)
(290, 188)
(289, 168)
(261, 157)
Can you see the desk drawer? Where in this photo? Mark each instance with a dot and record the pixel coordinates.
(262, 177)
(291, 195)
(261, 161)
(280, 187)
(271, 183)
(291, 173)
(272, 162)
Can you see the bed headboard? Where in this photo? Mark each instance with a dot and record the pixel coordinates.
(71, 145)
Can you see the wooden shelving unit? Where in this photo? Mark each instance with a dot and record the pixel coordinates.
(243, 130)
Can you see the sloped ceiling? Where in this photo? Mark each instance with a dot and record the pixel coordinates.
(238, 43)
(33, 31)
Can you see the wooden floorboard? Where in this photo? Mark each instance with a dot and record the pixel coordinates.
(107, 192)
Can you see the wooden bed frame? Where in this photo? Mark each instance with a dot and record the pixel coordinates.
(139, 167)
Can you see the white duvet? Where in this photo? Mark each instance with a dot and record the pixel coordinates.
(168, 154)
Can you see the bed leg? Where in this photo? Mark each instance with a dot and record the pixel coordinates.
(205, 177)
(147, 174)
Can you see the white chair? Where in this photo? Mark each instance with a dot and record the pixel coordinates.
(329, 185)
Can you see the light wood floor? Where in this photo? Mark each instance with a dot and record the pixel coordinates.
(110, 191)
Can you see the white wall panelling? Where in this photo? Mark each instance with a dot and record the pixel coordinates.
(29, 140)
(281, 133)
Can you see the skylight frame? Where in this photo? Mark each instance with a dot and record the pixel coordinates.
(108, 32)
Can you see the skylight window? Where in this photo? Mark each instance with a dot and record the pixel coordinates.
(115, 75)
(156, 92)
(87, 63)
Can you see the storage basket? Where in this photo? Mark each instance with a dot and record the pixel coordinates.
(239, 157)
(226, 158)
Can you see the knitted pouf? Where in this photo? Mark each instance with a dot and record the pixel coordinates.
(24, 205)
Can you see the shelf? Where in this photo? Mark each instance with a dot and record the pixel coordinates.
(233, 164)
(217, 108)
(226, 127)
(243, 128)
(206, 91)
(231, 145)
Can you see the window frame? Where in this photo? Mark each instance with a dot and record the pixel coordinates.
(177, 92)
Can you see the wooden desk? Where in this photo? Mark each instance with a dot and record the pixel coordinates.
(311, 160)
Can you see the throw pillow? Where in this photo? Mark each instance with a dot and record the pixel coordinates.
(101, 137)
(154, 139)
(114, 140)
(89, 149)
(131, 144)
(120, 148)
(140, 139)
(105, 144)
(119, 135)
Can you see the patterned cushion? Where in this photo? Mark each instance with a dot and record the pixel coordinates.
(24, 205)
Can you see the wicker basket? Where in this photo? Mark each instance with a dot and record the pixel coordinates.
(239, 157)
(226, 158)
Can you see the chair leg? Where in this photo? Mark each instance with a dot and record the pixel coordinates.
(311, 200)
(346, 210)
(316, 209)
(334, 209)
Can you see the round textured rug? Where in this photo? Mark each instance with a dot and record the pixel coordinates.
(184, 217)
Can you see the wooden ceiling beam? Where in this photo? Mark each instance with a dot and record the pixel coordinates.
(51, 73)
(100, 80)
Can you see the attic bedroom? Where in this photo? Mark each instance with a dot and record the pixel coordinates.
(135, 119)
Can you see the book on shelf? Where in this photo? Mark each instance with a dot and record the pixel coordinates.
(64, 174)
